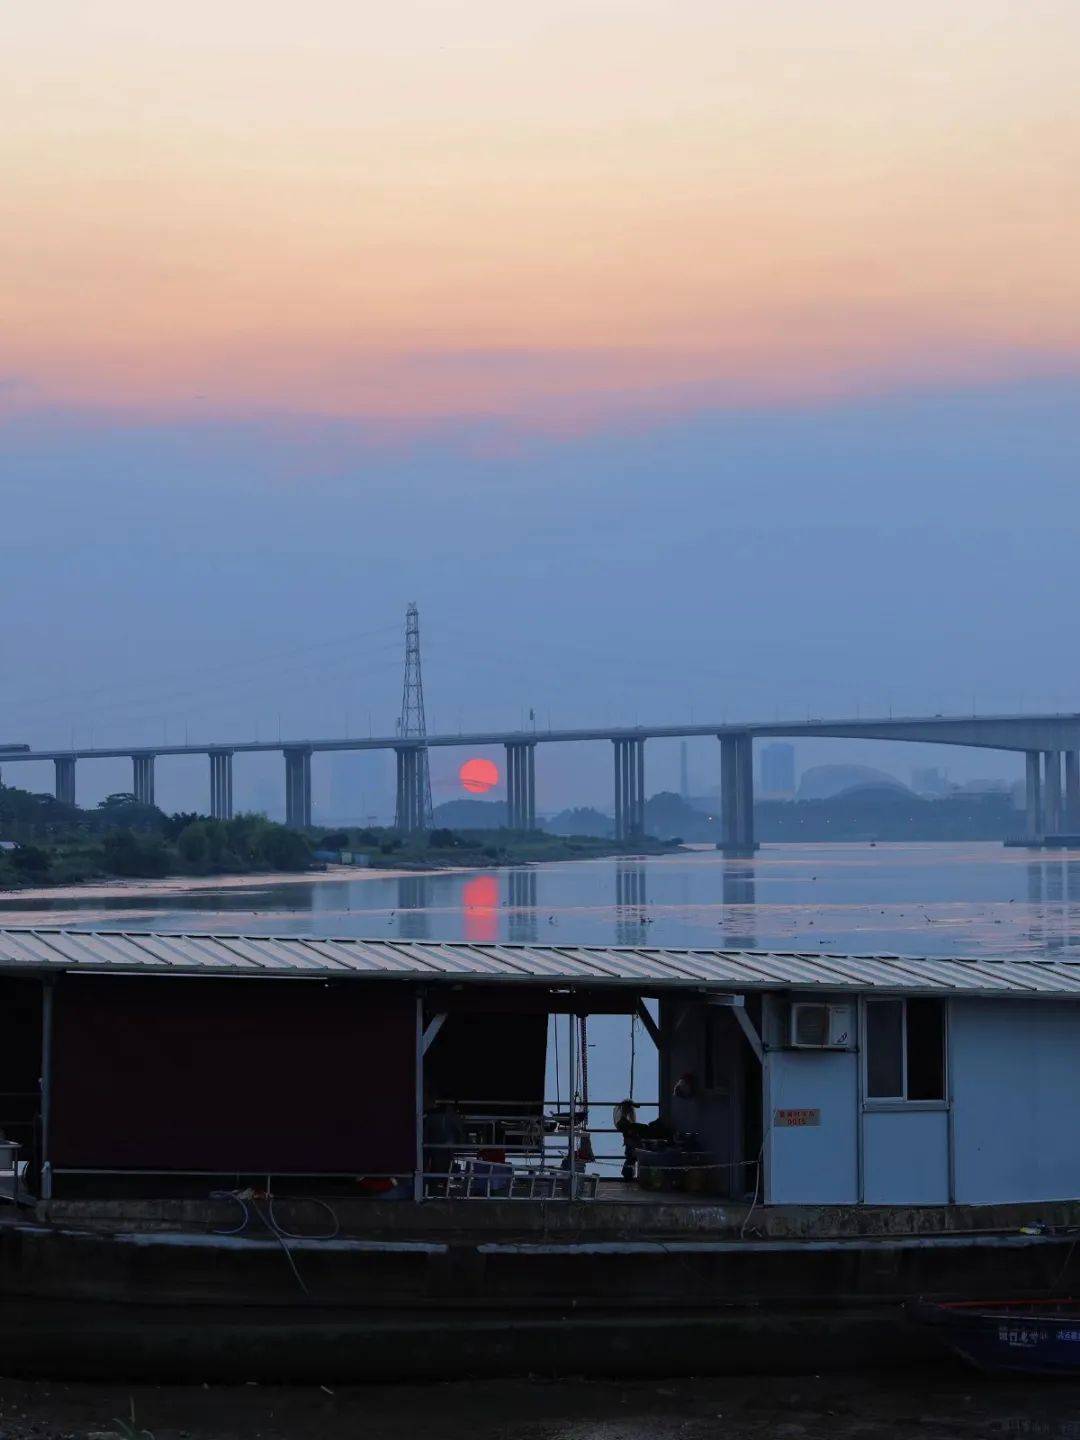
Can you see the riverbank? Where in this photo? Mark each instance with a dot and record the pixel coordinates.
(948, 1403)
(173, 886)
(492, 849)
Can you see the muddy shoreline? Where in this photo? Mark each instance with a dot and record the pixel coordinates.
(174, 885)
(941, 1403)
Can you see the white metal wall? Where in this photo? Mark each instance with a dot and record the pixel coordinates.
(1008, 1133)
(813, 1164)
(1016, 1079)
(905, 1155)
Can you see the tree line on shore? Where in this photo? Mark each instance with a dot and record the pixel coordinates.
(44, 841)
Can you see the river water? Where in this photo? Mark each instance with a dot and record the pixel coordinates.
(923, 899)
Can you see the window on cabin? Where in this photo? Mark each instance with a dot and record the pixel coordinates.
(885, 1049)
(905, 1050)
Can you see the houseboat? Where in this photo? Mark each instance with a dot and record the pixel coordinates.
(303, 1158)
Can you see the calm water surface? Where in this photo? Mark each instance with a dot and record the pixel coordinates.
(964, 899)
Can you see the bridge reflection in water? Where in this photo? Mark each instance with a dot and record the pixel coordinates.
(1053, 890)
(740, 891)
(631, 913)
(505, 905)
(414, 903)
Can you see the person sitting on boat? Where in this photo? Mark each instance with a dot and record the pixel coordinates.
(625, 1120)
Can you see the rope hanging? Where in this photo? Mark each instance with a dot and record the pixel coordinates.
(585, 1150)
(558, 1078)
(584, 1038)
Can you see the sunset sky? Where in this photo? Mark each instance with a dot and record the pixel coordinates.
(551, 211)
(668, 353)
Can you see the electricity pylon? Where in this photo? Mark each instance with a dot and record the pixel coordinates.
(413, 721)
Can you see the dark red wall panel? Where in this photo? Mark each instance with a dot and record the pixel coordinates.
(233, 1075)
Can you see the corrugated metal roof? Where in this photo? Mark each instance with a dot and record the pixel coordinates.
(125, 951)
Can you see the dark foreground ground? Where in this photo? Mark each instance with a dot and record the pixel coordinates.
(931, 1405)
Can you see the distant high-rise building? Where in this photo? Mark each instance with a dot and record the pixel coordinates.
(929, 780)
(778, 769)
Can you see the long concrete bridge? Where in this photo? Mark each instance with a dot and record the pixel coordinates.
(1051, 744)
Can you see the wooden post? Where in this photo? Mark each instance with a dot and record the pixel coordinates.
(46, 1085)
(418, 1173)
(570, 1019)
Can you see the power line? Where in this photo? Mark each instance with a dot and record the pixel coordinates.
(231, 666)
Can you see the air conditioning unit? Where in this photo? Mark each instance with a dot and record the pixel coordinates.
(815, 1026)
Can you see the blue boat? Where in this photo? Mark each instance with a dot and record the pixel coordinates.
(1024, 1337)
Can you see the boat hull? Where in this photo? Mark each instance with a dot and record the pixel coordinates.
(193, 1345)
(1018, 1338)
(179, 1305)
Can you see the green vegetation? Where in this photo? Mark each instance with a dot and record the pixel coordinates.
(443, 847)
(60, 844)
(57, 844)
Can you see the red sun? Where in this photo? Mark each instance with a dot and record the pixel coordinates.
(477, 776)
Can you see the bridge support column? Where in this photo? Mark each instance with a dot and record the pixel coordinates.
(729, 800)
(737, 794)
(221, 784)
(521, 785)
(143, 778)
(416, 769)
(410, 816)
(1072, 792)
(530, 787)
(512, 787)
(618, 751)
(399, 799)
(1033, 794)
(298, 787)
(639, 761)
(1052, 791)
(65, 779)
(629, 789)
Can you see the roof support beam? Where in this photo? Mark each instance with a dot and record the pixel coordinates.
(737, 1005)
(434, 1025)
(649, 1023)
